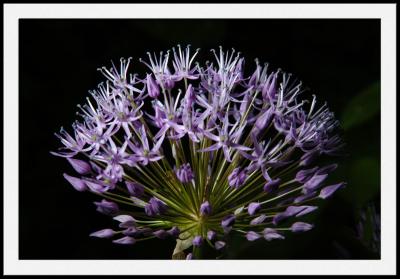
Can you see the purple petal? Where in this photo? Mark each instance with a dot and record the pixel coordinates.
(304, 197)
(253, 208)
(197, 241)
(124, 218)
(126, 221)
(293, 210)
(205, 208)
(211, 136)
(211, 235)
(174, 232)
(135, 189)
(95, 187)
(271, 234)
(107, 207)
(228, 221)
(328, 191)
(184, 173)
(263, 120)
(304, 175)
(131, 231)
(227, 156)
(161, 234)
(80, 166)
(240, 147)
(306, 210)
(77, 183)
(308, 158)
(301, 227)
(251, 236)
(152, 87)
(127, 240)
(272, 185)
(314, 182)
(258, 220)
(210, 148)
(219, 245)
(106, 233)
(155, 207)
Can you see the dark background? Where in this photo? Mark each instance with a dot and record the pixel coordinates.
(338, 59)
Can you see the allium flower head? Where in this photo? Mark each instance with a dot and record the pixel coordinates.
(196, 151)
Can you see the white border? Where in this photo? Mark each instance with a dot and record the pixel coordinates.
(387, 13)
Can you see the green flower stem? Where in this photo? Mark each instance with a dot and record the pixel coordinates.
(236, 193)
(105, 195)
(253, 191)
(173, 186)
(197, 253)
(283, 195)
(169, 202)
(145, 238)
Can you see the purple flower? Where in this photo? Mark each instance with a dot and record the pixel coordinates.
(126, 240)
(80, 166)
(162, 234)
(152, 87)
(293, 211)
(155, 207)
(263, 156)
(135, 189)
(205, 208)
(227, 222)
(197, 240)
(263, 120)
(301, 227)
(186, 146)
(314, 182)
(305, 197)
(143, 154)
(131, 231)
(226, 139)
(328, 191)
(258, 220)
(219, 245)
(77, 183)
(105, 233)
(184, 173)
(253, 208)
(308, 158)
(211, 235)
(160, 69)
(305, 175)
(73, 144)
(272, 185)
(99, 186)
(271, 234)
(174, 232)
(106, 207)
(182, 64)
(126, 221)
(237, 178)
(251, 236)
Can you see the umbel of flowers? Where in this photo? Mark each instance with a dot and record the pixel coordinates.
(197, 151)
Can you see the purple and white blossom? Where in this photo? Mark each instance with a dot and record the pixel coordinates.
(196, 151)
(184, 173)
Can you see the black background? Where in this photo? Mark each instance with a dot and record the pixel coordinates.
(338, 59)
